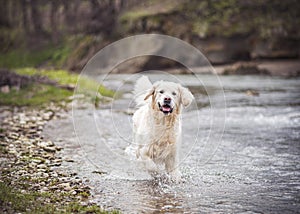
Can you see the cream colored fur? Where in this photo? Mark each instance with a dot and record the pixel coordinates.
(158, 135)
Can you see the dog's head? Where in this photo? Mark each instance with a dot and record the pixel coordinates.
(168, 97)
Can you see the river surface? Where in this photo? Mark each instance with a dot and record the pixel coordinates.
(240, 150)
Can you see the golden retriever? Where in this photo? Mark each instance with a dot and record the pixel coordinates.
(157, 123)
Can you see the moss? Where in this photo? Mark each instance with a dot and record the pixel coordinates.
(40, 94)
(148, 8)
(23, 58)
(34, 95)
(231, 17)
(3, 150)
(134, 15)
(84, 194)
(64, 77)
(16, 201)
(51, 55)
(13, 201)
(77, 208)
(226, 18)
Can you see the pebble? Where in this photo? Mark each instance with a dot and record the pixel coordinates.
(36, 161)
(45, 144)
(42, 166)
(44, 189)
(32, 157)
(49, 149)
(65, 186)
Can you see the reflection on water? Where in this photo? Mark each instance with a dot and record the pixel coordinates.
(254, 168)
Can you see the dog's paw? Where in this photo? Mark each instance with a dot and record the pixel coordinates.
(175, 176)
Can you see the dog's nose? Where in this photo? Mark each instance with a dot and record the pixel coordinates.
(167, 99)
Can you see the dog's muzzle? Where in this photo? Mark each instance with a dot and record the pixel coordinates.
(166, 107)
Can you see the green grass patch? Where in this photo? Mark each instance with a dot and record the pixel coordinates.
(77, 208)
(37, 94)
(64, 77)
(3, 149)
(134, 15)
(18, 58)
(34, 95)
(13, 201)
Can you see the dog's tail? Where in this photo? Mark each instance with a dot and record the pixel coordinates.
(141, 89)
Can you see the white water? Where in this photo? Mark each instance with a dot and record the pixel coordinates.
(253, 168)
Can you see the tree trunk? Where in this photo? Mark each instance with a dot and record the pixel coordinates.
(54, 21)
(36, 18)
(24, 9)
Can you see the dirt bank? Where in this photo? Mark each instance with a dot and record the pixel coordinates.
(283, 68)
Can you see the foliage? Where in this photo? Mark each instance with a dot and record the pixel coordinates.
(226, 18)
(233, 17)
(48, 36)
(17, 58)
(61, 76)
(34, 95)
(33, 202)
(37, 94)
(64, 77)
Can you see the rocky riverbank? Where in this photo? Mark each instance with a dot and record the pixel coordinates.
(30, 175)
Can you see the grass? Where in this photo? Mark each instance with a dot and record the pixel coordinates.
(133, 15)
(16, 201)
(64, 77)
(13, 201)
(18, 58)
(40, 94)
(34, 95)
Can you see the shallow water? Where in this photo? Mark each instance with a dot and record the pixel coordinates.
(241, 155)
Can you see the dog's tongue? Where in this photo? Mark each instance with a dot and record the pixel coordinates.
(166, 108)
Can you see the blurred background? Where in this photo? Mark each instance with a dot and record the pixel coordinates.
(253, 168)
(66, 34)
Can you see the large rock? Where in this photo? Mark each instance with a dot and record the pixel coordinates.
(220, 50)
(276, 48)
(9, 79)
(245, 69)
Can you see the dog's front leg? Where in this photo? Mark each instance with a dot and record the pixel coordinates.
(173, 168)
(147, 160)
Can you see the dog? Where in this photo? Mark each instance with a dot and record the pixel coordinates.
(157, 124)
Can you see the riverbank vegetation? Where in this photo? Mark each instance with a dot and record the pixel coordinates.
(63, 34)
(44, 86)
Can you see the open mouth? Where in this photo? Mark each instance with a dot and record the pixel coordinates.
(165, 108)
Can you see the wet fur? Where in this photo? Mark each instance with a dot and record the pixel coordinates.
(158, 136)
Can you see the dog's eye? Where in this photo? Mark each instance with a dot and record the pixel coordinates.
(162, 91)
(174, 93)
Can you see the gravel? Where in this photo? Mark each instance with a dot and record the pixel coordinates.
(29, 162)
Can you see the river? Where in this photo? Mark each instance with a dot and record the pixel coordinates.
(240, 150)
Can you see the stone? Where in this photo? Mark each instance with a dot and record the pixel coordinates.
(65, 186)
(252, 93)
(37, 160)
(46, 144)
(44, 189)
(44, 166)
(245, 69)
(5, 89)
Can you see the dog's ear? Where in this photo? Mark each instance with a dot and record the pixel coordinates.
(186, 97)
(150, 93)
